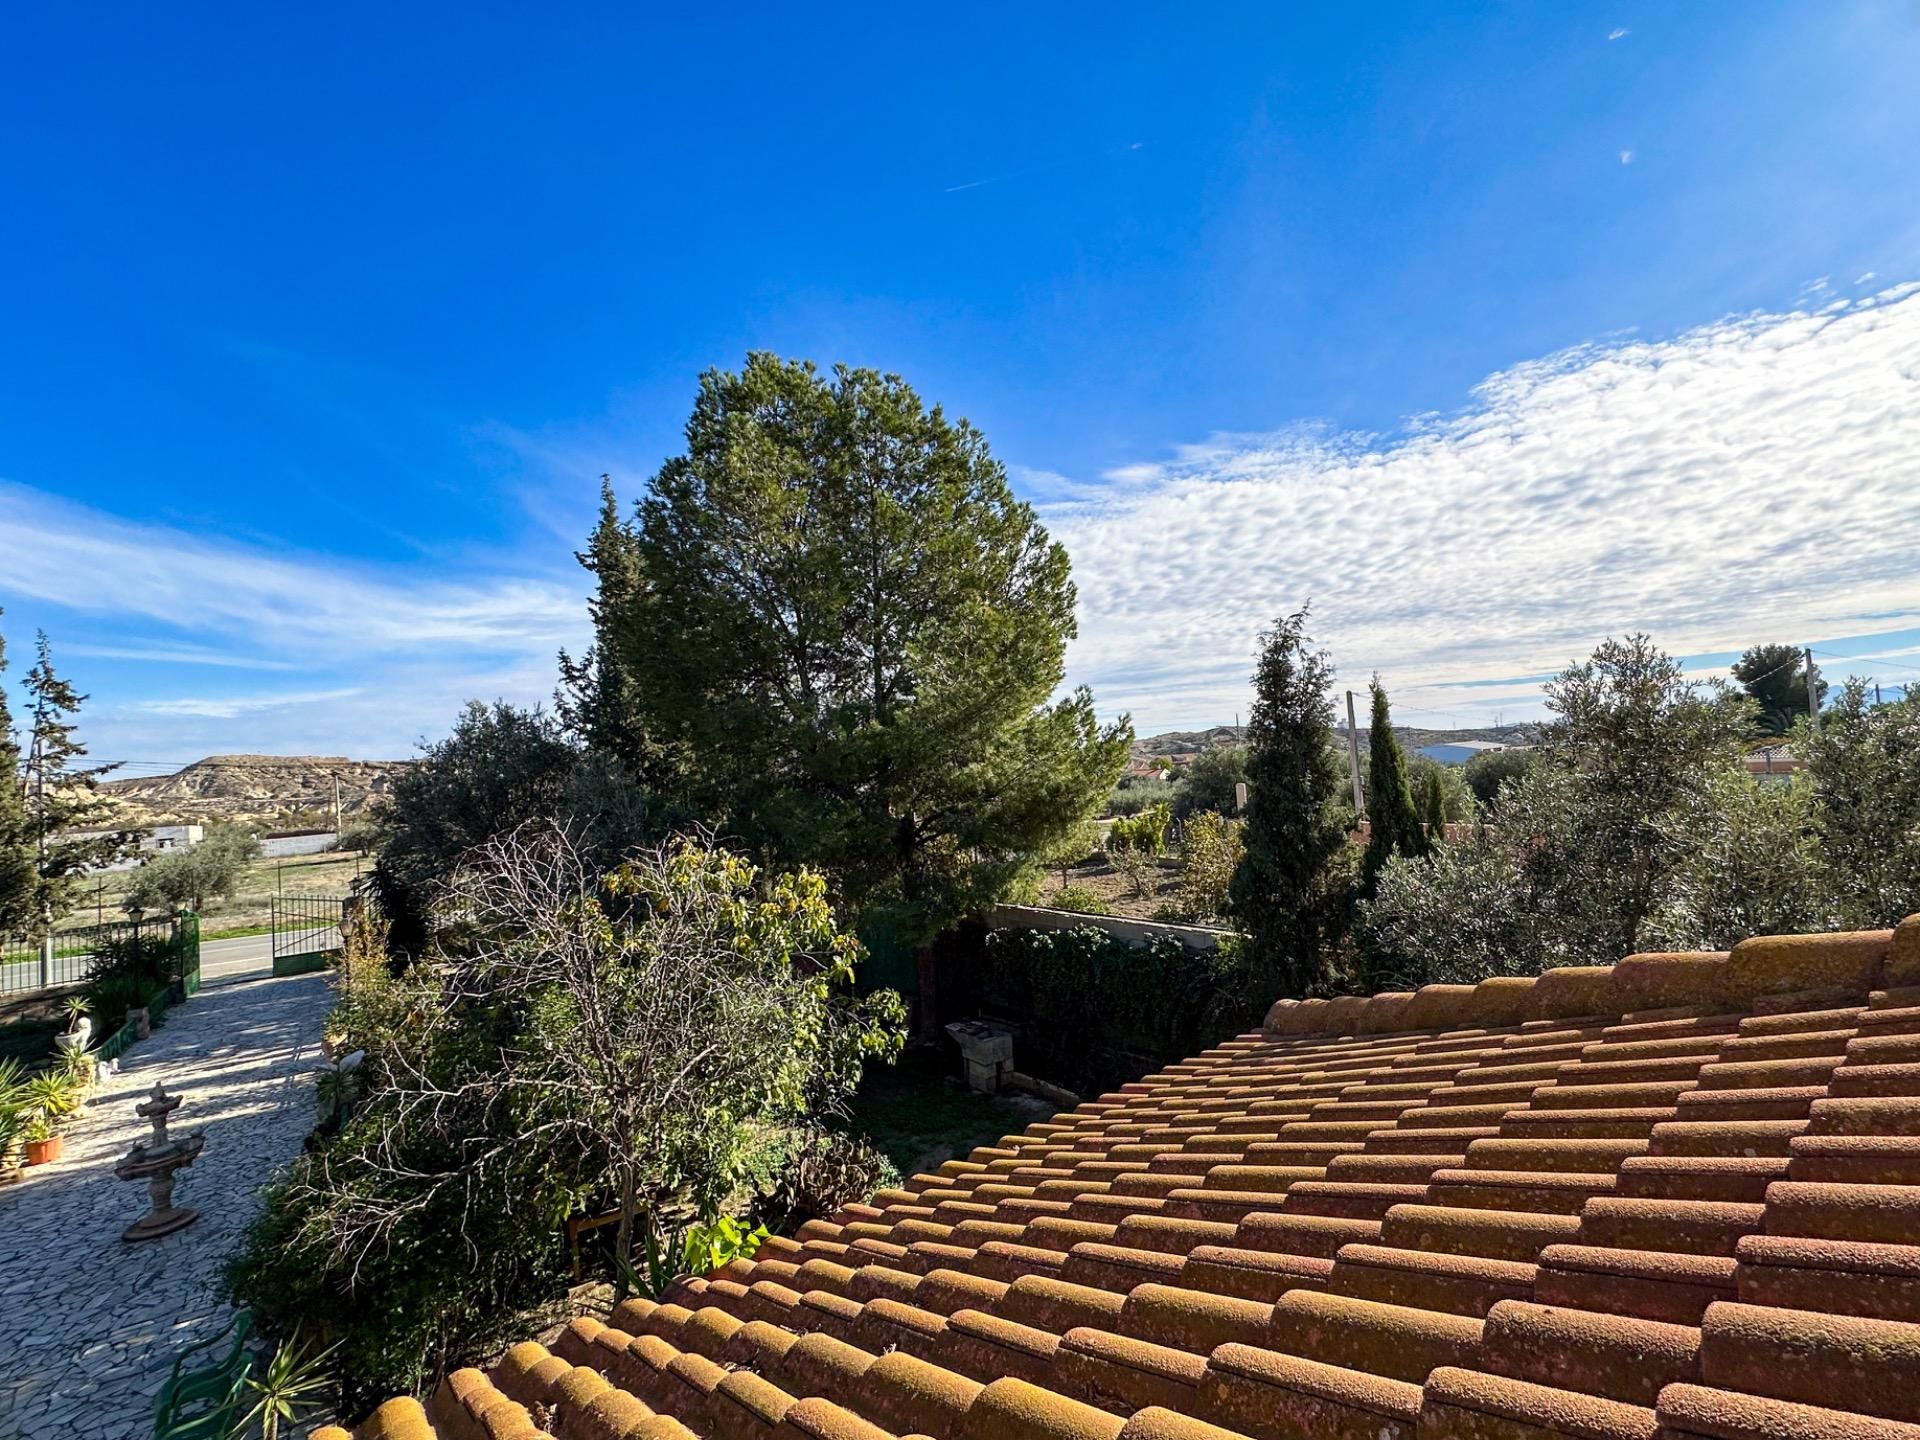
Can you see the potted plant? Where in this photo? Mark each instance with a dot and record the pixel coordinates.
(54, 1095)
(45, 1143)
(79, 1025)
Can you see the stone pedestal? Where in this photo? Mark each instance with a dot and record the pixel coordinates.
(987, 1049)
(158, 1161)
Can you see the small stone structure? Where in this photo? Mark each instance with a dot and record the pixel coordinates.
(158, 1161)
(987, 1049)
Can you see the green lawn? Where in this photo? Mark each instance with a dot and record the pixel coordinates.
(920, 1113)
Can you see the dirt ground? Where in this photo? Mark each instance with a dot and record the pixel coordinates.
(1115, 890)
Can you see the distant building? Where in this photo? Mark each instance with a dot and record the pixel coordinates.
(153, 840)
(1459, 752)
(1774, 761)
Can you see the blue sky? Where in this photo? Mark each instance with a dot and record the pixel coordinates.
(1494, 328)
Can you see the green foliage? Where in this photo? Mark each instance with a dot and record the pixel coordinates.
(1096, 1011)
(1592, 842)
(1486, 772)
(1776, 677)
(501, 767)
(1457, 798)
(846, 641)
(1750, 864)
(124, 973)
(1395, 827)
(291, 1385)
(636, 1041)
(1449, 917)
(1864, 762)
(1079, 899)
(1433, 808)
(365, 834)
(188, 879)
(710, 1244)
(62, 798)
(1136, 793)
(825, 1171)
(1289, 896)
(19, 894)
(1210, 851)
(1211, 781)
(1145, 832)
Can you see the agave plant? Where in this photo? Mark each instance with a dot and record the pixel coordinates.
(53, 1094)
(75, 1007)
(291, 1382)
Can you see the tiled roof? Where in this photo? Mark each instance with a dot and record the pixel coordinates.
(1677, 1197)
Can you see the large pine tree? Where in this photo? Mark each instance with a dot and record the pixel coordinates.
(836, 620)
(1284, 896)
(18, 879)
(1394, 827)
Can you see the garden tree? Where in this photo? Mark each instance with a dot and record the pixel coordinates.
(1590, 841)
(846, 632)
(1287, 895)
(1211, 781)
(646, 1040)
(1132, 794)
(1749, 863)
(62, 799)
(1864, 763)
(597, 700)
(1486, 772)
(187, 879)
(1395, 822)
(18, 873)
(1456, 796)
(500, 767)
(1210, 851)
(1776, 677)
(1433, 807)
(1631, 750)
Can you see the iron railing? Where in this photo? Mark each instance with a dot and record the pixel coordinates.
(28, 965)
(306, 924)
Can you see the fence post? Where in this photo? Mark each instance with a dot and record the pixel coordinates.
(46, 961)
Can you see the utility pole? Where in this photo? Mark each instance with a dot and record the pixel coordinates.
(336, 807)
(40, 870)
(1813, 692)
(1353, 752)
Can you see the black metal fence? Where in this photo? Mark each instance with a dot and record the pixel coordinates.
(27, 965)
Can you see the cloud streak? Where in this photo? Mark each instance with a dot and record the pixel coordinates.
(1753, 479)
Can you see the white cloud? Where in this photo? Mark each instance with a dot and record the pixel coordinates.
(85, 560)
(1619, 32)
(232, 707)
(1753, 479)
(1626, 157)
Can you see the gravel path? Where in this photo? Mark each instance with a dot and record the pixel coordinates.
(88, 1323)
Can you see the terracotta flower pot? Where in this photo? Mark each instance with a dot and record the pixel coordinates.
(45, 1152)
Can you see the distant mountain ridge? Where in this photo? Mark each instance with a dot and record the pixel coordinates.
(294, 790)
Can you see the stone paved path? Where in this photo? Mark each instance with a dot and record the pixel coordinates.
(88, 1323)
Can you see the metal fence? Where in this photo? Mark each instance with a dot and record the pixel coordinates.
(27, 966)
(305, 925)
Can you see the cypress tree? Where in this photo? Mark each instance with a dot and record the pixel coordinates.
(1282, 895)
(1395, 822)
(1436, 808)
(17, 877)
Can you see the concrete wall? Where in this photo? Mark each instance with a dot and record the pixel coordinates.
(276, 847)
(1139, 932)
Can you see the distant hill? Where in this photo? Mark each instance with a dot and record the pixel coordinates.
(290, 790)
(1179, 742)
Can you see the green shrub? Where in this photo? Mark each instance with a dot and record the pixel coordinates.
(1210, 851)
(1134, 794)
(1095, 1011)
(1081, 900)
(1144, 833)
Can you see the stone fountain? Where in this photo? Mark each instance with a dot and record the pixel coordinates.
(157, 1161)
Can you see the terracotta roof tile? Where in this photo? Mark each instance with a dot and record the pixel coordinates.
(1679, 1192)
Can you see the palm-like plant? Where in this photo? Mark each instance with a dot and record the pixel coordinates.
(289, 1384)
(53, 1094)
(75, 1007)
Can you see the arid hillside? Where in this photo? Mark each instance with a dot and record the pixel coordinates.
(288, 789)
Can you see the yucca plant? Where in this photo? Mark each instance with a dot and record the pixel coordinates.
(289, 1385)
(75, 1007)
